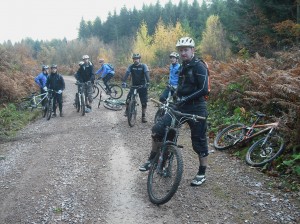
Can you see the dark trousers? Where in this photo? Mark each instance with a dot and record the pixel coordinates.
(57, 99)
(106, 80)
(198, 129)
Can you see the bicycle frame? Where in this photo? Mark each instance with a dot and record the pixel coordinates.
(36, 102)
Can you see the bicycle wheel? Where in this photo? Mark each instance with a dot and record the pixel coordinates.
(112, 105)
(158, 115)
(259, 154)
(77, 102)
(229, 136)
(116, 91)
(49, 109)
(132, 111)
(163, 181)
(82, 104)
(45, 108)
(95, 91)
(24, 104)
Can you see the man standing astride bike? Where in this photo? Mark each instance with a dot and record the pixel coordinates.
(56, 82)
(190, 94)
(106, 71)
(41, 80)
(173, 76)
(85, 74)
(139, 76)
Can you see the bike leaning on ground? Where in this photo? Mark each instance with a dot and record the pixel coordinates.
(262, 151)
(167, 167)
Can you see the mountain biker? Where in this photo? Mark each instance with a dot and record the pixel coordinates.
(189, 98)
(41, 80)
(139, 76)
(106, 71)
(85, 74)
(173, 76)
(56, 82)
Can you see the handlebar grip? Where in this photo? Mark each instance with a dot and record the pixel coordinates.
(156, 101)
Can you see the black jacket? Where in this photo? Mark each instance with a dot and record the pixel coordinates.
(85, 73)
(55, 81)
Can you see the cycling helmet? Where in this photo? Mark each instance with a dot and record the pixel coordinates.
(85, 57)
(174, 54)
(44, 67)
(54, 66)
(185, 42)
(136, 56)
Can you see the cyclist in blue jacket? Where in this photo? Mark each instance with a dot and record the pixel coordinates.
(106, 71)
(173, 76)
(41, 80)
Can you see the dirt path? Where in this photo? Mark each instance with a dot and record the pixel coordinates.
(84, 169)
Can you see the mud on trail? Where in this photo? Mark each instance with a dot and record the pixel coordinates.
(84, 169)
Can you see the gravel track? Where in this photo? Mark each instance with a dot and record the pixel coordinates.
(84, 169)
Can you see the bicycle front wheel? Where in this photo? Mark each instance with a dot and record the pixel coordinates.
(82, 104)
(95, 91)
(259, 154)
(45, 108)
(229, 136)
(116, 91)
(164, 177)
(132, 111)
(77, 102)
(49, 109)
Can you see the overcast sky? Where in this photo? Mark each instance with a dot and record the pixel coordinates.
(48, 19)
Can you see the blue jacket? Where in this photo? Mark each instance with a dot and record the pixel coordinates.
(41, 79)
(174, 74)
(105, 69)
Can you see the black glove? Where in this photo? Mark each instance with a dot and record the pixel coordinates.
(147, 85)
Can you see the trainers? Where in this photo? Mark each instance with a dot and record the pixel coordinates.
(53, 115)
(88, 110)
(198, 180)
(146, 166)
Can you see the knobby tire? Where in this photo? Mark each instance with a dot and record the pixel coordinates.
(132, 111)
(112, 105)
(116, 91)
(95, 91)
(49, 109)
(163, 184)
(77, 102)
(82, 104)
(228, 137)
(258, 155)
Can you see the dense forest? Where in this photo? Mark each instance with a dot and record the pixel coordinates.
(251, 46)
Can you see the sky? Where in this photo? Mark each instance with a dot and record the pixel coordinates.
(56, 19)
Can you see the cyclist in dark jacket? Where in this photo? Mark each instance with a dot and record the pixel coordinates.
(191, 91)
(56, 82)
(41, 80)
(139, 76)
(85, 74)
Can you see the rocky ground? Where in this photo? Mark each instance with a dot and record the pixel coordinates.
(84, 169)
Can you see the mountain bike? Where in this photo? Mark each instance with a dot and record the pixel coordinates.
(34, 101)
(80, 98)
(161, 110)
(132, 105)
(112, 104)
(167, 167)
(261, 151)
(115, 91)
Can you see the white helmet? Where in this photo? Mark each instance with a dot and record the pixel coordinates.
(174, 54)
(185, 42)
(85, 57)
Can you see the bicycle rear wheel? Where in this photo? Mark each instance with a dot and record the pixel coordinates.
(95, 91)
(49, 109)
(229, 136)
(132, 111)
(116, 91)
(82, 104)
(259, 154)
(112, 105)
(77, 102)
(164, 179)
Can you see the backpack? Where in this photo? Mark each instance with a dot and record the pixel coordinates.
(111, 66)
(208, 81)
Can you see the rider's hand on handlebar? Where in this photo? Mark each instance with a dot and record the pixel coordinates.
(180, 101)
(124, 85)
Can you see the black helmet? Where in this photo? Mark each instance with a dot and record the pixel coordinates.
(54, 66)
(136, 56)
(44, 67)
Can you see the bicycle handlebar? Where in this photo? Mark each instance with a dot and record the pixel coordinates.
(191, 116)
